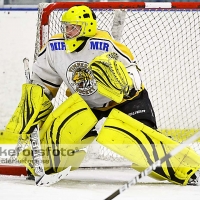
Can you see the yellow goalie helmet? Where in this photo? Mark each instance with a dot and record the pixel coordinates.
(82, 21)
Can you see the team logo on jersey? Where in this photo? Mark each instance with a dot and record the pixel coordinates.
(81, 78)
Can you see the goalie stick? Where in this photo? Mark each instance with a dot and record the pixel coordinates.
(152, 167)
(34, 136)
(42, 178)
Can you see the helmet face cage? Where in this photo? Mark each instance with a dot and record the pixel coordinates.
(73, 28)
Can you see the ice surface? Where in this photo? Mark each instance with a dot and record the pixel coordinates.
(85, 184)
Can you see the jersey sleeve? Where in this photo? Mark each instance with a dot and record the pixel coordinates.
(43, 72)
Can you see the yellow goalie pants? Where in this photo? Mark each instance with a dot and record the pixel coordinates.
(143, 146)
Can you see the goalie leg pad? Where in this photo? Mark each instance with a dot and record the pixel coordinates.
(25, 158)
(33, 109)
(63, 133)
(143, 146)
(7, 138)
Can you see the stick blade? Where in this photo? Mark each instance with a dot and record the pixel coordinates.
(47, 180)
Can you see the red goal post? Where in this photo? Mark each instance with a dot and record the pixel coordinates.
(165, 39)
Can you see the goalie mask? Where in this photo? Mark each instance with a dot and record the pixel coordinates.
(76, 24)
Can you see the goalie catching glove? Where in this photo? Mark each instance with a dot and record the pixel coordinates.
(113, 80)
(33, 109)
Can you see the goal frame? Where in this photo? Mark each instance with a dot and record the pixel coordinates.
(114, 5)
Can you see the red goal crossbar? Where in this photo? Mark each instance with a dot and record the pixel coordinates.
(119, 5)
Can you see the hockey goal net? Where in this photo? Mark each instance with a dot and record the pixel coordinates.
(165, 39)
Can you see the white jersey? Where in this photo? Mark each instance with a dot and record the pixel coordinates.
(54, 65)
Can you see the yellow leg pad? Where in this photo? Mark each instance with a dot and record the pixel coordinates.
(143, 146)
(25, 158)
(152, 174)
(72, 120)
(75, 160)
(64, 130)
(8, 138)
(70, 159)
